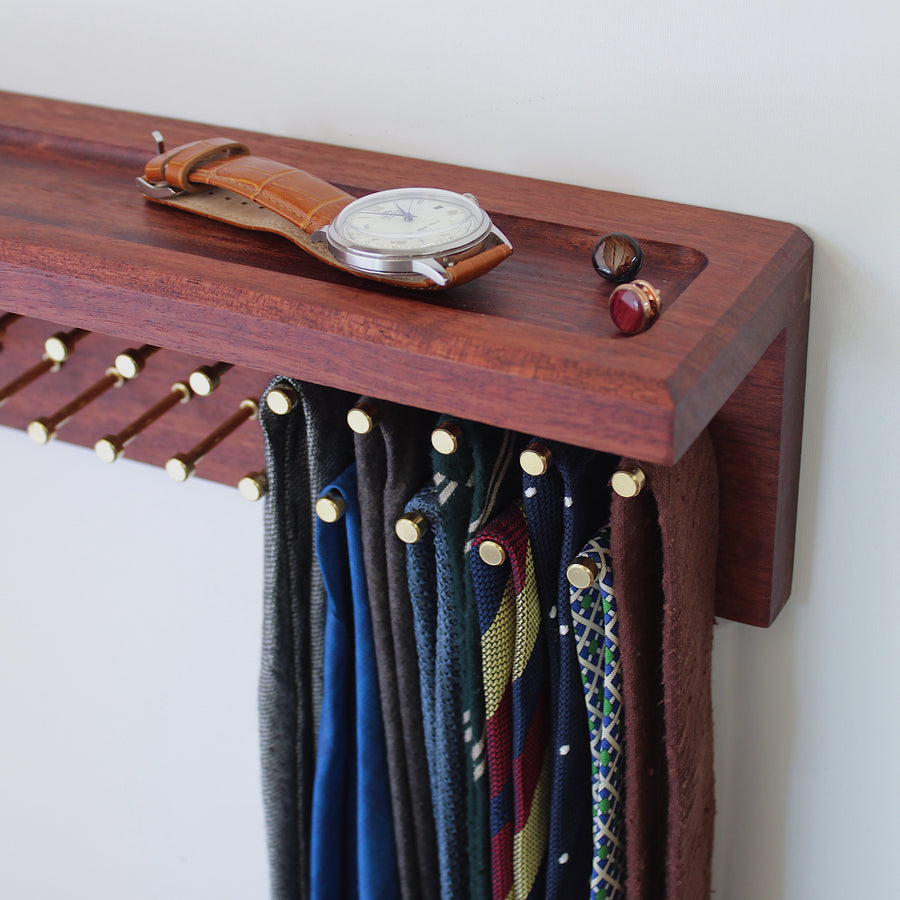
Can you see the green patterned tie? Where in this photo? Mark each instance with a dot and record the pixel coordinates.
(596, 634)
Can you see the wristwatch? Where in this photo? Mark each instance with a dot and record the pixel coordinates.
(411, 237)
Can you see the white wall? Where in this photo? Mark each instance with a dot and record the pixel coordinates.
(127, 680)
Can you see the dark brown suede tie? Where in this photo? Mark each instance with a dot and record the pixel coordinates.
(664, 544)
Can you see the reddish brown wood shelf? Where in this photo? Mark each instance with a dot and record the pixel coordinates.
(529, 346)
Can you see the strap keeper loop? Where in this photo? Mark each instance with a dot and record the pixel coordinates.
(175, 166)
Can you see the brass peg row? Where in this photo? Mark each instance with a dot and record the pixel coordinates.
(629, 481)
(410, 527)
(582, 572)
(181, 466)
(446, 438)
(535, 459)
(111, 447)
(361, 418)
(205, 379)
(128, 365)
(57, 349)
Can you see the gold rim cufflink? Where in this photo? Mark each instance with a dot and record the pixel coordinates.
(635, 306)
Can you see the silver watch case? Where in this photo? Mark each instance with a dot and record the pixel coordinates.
(432, 265)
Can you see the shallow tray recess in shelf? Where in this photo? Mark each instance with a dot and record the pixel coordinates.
(529, 346)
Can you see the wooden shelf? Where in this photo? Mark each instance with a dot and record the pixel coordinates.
(529, 346)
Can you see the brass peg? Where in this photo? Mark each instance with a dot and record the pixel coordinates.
(582, 572)
(131, 362)
(62, 345)
(59, 346)
(281, 400)
(111, 447)
(629, 481)
(492, 553)
(446, 437)
(181, 466)
(361, 418)
(535, 459)
(330, 507)
(254, 486)
(43, 429)
(205, 379)
(410, 527)
(7, 319)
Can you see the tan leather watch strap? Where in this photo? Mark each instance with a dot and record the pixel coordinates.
(209, 177)
(299, 197)
(468, 269)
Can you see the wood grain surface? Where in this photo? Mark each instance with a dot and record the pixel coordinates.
(529, 346)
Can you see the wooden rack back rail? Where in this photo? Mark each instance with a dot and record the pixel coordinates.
(529, 346)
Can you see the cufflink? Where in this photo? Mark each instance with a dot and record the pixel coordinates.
(635, 306)
(617, 257)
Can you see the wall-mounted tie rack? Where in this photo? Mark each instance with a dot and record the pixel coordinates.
(529, 346)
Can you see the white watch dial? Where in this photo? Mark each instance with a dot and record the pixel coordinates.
(410, 222)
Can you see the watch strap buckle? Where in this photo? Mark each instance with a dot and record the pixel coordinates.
(156, 190)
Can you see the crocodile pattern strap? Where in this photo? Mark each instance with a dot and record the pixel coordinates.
(304, 200)
(468, 269)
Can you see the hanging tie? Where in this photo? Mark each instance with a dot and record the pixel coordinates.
(597, 639)
(664, 549)
(517, 706)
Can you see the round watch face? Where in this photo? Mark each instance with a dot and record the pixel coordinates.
(409, 222)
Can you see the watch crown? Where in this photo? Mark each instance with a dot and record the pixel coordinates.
(473, 198)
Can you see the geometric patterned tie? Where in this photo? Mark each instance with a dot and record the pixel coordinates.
(517, 707)
(597, 639)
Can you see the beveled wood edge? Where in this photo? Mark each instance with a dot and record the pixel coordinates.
(670, 402)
